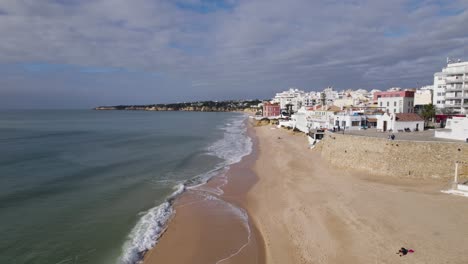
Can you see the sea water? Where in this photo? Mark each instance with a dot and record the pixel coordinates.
(83, 186)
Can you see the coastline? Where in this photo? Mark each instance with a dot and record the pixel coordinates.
(211, 222)
(301, 209)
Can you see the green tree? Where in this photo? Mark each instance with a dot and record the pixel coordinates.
(428, 112)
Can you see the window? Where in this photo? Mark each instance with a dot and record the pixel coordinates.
(394, 103)
(354, 123)
(388, 103)
(394, 110)
(380, 103)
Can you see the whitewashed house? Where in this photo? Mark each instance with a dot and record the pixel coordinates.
(300, 120)
(456, 128)
(399, 122)
(322, 117)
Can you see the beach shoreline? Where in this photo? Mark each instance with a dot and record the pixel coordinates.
(304, 210)
(211, 221)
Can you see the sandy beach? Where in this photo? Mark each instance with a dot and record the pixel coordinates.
(309, 212)
(302, 210)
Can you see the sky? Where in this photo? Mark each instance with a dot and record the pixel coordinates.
(85, 53)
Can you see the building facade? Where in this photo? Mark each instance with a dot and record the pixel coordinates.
(395, 101)
(271, 110)
(399, 122)
(423, 96)
(292, 98)
(451, 88)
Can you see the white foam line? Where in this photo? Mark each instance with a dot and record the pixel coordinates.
(242, 247)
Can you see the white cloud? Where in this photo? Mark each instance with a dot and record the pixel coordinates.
(252, 43)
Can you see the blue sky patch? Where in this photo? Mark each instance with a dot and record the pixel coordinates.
(395, 32)
(205, 6)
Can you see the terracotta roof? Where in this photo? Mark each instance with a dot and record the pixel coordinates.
(334, 108)
(408, 117)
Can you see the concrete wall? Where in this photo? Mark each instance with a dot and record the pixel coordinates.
(394, 158)
(456, 128)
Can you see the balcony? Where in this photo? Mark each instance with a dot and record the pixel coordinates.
(455, 88)
(457, 70)
(452, 105)
(454, 79)
(449, 96)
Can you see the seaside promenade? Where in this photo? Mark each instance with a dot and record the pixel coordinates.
(309, 212)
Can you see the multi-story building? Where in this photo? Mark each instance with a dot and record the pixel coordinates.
(310, 99)
(423, 96)
(271, 110)
(291, 98)
(396, 101)
(451, 88)
(330, 95)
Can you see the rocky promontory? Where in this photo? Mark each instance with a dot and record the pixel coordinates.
(203, 106)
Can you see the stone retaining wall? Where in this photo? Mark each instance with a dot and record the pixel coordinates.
(395, 158)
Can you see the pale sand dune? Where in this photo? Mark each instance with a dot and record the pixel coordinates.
(309, 212)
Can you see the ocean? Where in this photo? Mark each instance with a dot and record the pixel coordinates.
(84, 186)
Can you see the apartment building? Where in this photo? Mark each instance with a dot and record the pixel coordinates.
(451, 88)
(395, 101)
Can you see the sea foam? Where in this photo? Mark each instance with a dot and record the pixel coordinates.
(234, 145)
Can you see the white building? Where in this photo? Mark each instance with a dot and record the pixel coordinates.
(423, 96)
(330, 95)
(310, 99)
(307, 118)
(398, 122)
(355, 119)
(293, 97)
(456, 128)
(349, 121)
(451, 87)
(396, 101)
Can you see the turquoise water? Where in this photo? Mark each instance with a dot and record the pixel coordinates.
(81, 186)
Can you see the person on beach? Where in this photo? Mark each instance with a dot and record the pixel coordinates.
(403, 251)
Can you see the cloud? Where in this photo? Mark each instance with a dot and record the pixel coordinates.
(208, 49)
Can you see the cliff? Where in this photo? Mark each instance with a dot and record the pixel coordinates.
(205, 106)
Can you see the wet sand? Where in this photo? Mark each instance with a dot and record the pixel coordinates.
(211, 224)
(310, 212)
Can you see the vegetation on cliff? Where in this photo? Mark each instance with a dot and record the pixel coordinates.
(202, 106)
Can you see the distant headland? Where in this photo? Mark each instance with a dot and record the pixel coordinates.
(201, 106)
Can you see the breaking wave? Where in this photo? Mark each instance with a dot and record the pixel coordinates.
(234, 145)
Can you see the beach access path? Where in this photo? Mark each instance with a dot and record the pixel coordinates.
(309, 212)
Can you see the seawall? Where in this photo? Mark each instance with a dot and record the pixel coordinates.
(414, 159)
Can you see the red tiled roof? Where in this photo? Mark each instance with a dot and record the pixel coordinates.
(408, 117)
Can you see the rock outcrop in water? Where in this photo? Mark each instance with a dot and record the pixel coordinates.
(204, 106)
